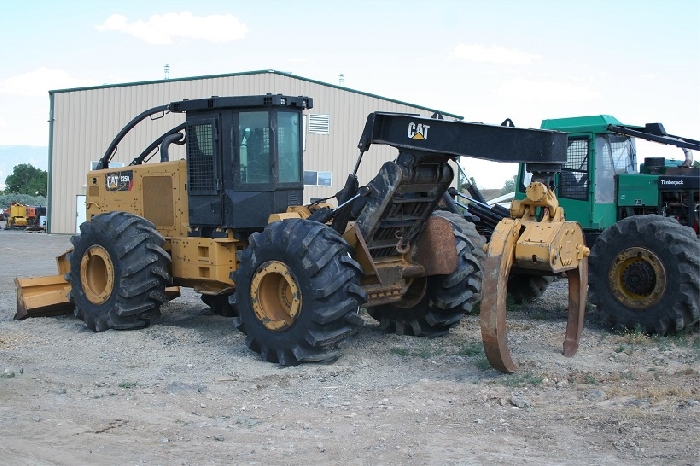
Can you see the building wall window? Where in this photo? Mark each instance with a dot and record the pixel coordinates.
(93, 164)
(314, 178)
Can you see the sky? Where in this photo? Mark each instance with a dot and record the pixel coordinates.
(525, 60)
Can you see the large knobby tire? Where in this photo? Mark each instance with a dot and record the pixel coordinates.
(118, 272)
(644, 273)
(297, 292)
(525, 288)
(447, 297)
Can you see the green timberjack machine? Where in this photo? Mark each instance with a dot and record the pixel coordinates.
(228, 221)
(642, 224)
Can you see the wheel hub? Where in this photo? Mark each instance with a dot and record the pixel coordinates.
(637, 278)
(97, 274)
(275, 296)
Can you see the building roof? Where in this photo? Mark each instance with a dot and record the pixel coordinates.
(248, 73)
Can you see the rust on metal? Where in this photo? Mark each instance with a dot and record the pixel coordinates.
(494, 290)
(435, 249)
(578, 288)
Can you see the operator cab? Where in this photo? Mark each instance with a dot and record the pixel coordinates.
(244, 160)
(588, 153)
(614, 155)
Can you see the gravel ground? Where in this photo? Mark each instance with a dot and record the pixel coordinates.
(186, 390)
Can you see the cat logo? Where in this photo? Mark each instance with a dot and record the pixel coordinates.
(119, 181)
(112, 182)
(418, 131)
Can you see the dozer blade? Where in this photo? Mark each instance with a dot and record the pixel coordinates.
(494, 290)
(49, 296)
(45, 296)
(172, 292)
(42, 297)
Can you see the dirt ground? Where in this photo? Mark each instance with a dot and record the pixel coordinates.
(186, 390)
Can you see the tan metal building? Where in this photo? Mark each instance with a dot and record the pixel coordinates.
(83, 121)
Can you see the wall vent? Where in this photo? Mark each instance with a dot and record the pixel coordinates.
(319, 124)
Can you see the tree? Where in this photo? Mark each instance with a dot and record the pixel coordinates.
(509, 186)
(26, 179)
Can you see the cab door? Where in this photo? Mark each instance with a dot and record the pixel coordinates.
(204, 181)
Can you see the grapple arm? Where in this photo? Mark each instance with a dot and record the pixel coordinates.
(550, 245)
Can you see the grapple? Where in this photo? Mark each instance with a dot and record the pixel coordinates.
(548, 246)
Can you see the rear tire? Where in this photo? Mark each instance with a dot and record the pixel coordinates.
(118, 272)
(447, 297)
(297, 291)
(645, 273)
(526, 288)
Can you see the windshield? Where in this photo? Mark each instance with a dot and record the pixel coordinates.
(254, 134)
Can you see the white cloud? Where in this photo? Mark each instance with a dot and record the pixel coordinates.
(161, 29)
(493, 54)
(40, 81)
(524, 90)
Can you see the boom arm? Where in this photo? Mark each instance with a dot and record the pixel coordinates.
(456, 138)
(406, 192)
(657, 133)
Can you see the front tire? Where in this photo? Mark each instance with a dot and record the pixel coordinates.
(297, 291)
(118, 272)
(645, 273)
(447, 297)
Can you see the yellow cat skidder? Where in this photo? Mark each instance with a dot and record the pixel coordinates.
(228, 222)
